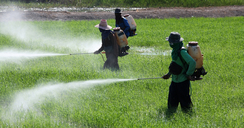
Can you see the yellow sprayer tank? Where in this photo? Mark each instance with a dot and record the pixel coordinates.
(121, 37)
(194, 51)
(131, 21)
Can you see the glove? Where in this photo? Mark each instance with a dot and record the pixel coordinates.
(191, 78)
(96, 52)
(167, 76)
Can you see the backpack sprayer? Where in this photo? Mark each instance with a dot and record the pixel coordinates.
(121, 41)
(132, 24)
(194, 51)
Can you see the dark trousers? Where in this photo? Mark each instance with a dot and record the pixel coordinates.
(179, 93)
(111, 62)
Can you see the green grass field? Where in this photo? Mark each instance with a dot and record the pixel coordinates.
(74, 90)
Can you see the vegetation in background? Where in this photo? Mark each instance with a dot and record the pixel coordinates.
(122, 3)
(218, 98)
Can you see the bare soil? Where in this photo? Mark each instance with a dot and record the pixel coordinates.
(223, 11)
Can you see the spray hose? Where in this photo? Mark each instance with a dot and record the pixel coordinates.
(88, 53)
(102, 56)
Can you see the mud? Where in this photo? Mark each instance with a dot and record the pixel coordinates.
(178, 12)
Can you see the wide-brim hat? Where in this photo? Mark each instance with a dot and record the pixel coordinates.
(103, 25)
(117, 11)
(174, 37)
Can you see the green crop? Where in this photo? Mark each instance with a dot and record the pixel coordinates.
(217, 99)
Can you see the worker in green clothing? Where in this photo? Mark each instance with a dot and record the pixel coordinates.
(181, 69)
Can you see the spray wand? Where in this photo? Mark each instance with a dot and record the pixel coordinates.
(79, 53)
(149, 78)
(82, 53)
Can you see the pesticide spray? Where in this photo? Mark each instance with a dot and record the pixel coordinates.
(30, 100)
(25, 99)
(17, 56)
(32, 35)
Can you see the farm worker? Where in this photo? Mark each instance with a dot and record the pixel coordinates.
(122, 22)
(109, 45)
(181, 69)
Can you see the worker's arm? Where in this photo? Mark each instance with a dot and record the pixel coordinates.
(100, 49)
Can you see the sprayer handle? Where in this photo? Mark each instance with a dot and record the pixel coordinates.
(166, 76)
(96, 52)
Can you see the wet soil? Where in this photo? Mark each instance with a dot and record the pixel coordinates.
(223, 11)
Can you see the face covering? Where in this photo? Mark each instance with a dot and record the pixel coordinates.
(117, 18)
(176, 47)
(104, 33)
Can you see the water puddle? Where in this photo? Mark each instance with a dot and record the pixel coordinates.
(150, 51)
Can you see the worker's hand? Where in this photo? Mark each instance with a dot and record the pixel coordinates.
(191, 78)
(167, 76)
(96, 52)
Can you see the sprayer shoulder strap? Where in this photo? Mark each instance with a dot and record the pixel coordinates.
(123, 20)
(181, 58)
(111, 35)
(114, 37)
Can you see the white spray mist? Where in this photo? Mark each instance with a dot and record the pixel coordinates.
(30, 100)
(26, 99)
(29, 34)
(18, 56)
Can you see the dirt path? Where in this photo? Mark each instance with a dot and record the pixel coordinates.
(226, 11)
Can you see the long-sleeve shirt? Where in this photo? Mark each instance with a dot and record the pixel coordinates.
(124, 25)
(109, 45)
(188, 65)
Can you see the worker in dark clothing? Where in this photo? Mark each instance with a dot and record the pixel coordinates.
(109, 45)
(122, 22)
(181, 69)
